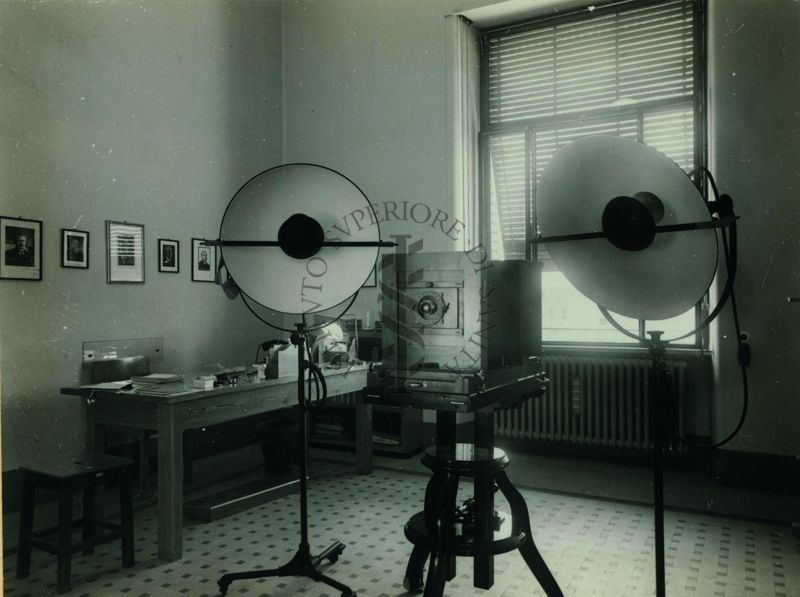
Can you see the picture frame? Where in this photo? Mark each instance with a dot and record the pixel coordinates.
(74, 248)
(21, 242)
(204, 261)
(124, 253)
(372, 281)
(168, 256)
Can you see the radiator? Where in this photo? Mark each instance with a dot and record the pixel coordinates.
(591, 401)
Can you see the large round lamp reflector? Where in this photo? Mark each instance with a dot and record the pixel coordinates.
(284, 203)
(660, 281)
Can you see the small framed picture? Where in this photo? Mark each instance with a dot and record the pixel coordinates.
(204, 261)
(74, 248)
(22, 249)
(372, 281)
(168, 256)
(124, 253)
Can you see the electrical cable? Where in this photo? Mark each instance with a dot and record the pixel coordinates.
(743, 359)
(335, 318)
(322, 396)
(743, 354)
(315, 373)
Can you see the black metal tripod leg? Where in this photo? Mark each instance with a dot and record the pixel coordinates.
(346, 591)
(434, 501)
(528, 550)
(415, 569)
(437, 576)
(447, 534)
(440, 526)
(226, 579)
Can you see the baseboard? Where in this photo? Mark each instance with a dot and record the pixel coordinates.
(744, 470)
(754, 470)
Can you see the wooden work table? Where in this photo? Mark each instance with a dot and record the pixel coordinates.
(169, 416)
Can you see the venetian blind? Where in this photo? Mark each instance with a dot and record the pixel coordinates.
(627, 71)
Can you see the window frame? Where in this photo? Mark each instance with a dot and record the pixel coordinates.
(529, 126)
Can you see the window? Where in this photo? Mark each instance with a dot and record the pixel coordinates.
(630, 69)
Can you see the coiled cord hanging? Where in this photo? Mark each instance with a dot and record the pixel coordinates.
(743, 350)
(320, 394)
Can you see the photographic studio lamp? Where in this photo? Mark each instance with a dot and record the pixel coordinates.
(278, 242)
(630, 230)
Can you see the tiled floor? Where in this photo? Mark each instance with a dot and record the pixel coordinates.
(593, 548)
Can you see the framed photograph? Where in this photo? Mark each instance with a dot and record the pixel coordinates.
(74, 248)
(168, 256)
(124, 253)
(204, 261)
(22, 249)
(372, 281)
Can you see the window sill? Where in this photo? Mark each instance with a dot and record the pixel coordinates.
(619, 350)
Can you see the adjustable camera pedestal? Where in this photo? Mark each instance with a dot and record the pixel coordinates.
(303, 563)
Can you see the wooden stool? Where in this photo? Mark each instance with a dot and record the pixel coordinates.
(443, 530)
(67, 477)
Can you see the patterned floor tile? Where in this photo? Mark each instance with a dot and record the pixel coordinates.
(594, 548)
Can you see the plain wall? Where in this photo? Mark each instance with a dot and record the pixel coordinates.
(365, 89)
(153, 113)
(754, 97)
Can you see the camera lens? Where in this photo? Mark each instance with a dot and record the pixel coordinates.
(426, 307)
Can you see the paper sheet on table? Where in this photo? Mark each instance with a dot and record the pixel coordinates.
(110, 385)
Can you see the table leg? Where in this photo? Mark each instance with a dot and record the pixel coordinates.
(170, 484)
(96, 442)
(363, 436)
(90, 417)
(63, 569)
(144, 463)
(89, 520)
(26, 525)
(126, 519)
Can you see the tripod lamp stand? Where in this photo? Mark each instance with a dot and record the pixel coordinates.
(289, 245)
(629, 229)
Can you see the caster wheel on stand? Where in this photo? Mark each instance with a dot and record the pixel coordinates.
(334, 555)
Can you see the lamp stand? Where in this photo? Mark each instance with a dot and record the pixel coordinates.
(303, 563)
(658, 414)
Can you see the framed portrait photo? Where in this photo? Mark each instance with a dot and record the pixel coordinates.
(124, 253)
(74, 248)
(168, 256)
(204, 261)
(21, 240)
